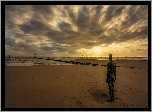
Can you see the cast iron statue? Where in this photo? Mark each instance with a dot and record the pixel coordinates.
(111, 77)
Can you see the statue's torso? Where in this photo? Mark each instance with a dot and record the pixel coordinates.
(111, 69)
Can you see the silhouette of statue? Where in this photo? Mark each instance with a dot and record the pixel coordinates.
(111, 77)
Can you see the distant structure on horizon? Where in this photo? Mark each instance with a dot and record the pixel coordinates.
(34, 55)
(9, 56)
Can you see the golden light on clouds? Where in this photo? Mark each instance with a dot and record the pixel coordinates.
(64, 30)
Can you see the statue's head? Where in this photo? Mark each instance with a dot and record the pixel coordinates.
(110, 56)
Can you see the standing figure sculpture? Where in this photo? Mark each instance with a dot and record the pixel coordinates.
(111, 77)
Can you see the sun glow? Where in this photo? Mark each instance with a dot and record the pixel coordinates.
(97, 49)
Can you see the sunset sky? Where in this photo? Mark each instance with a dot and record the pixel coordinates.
(64, 30)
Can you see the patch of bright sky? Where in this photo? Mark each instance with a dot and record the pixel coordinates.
(20, 41)
(123, 47)
(8, 33)
(44, 44)
(65, 45)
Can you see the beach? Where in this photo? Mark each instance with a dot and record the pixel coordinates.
(76, 86)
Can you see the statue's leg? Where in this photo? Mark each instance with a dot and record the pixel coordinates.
(111, 91)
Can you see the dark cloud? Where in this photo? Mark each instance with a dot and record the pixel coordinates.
(98, 10)
(27, 47)
(95, 28)
(13, 14)
(110, 13)
(16, 8)
(42, 9)
(82, 19)
(65, 26)
(66, 35)
(119, 10)
(134, 15)
(9, 41)
(34, 27)
(129, 21)
(47, 48)
(132, 9)
(41, 12)
(77, 26)
(53, 33)
(23, 47)
(72, 17)
(62, 49)
(20, 45)
(110, 39)
(11, 8)
(134, 35)
(89, 43)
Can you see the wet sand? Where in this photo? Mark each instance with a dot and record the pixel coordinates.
(76, 86)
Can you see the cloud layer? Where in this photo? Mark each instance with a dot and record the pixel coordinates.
(67, 30)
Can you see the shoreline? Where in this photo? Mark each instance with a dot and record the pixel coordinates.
(77, 86)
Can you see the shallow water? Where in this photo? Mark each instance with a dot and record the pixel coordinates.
(43, 61)
(32, 62)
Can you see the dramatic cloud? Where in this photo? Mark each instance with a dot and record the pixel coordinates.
(60, 30)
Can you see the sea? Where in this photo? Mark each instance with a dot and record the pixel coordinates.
(31, 61)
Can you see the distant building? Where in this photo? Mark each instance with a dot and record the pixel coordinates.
(9, 56)
(34, 55)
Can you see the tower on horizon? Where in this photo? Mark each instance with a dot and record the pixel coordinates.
(34, 55)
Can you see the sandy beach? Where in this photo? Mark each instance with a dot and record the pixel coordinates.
(76, 86)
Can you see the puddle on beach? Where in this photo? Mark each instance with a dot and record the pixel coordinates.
(32, 62)
(46, 61)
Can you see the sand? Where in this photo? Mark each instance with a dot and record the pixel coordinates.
(76, 86)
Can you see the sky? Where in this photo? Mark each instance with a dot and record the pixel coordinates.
(76, 30)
